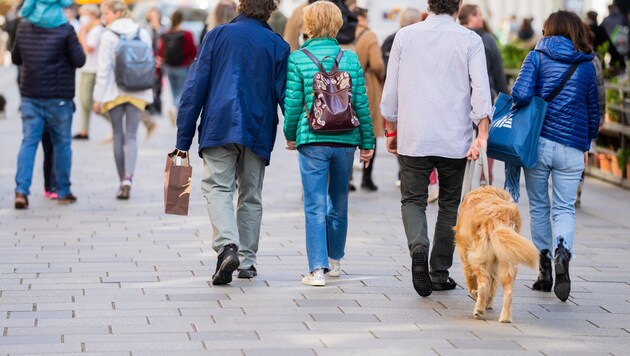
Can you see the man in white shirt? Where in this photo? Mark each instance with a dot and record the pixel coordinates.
(437, 88)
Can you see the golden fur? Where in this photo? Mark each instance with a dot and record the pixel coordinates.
(491, 248)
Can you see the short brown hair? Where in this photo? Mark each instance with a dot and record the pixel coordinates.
(568, 24)
(258, 9)
(448, 7)
(177, 18)
(322, 19)
(465, 11)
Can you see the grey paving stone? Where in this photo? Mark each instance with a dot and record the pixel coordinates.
(55, 330)
(162, 346)
(280, 351)
(225, 335)
(48, 314)
(29, 339)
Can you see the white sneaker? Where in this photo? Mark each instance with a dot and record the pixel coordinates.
(335, 267)
(434, 192)
(315, 278)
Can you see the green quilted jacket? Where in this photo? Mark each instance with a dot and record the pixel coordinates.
(300, 87)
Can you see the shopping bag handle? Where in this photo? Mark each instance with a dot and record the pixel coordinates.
(178, 153)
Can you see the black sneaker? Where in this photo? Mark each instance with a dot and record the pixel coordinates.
(80, 136)
(247, 273)
(369, 186)
(420, 272)
(68, 199)
(226, 264)
(448, 285)
(562, 289)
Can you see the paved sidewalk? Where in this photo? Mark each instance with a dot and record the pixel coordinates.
(109, 277)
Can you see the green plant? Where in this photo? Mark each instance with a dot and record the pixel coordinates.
(513, 55)
(622, 157)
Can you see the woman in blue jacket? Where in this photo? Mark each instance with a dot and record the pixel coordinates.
(571, 123)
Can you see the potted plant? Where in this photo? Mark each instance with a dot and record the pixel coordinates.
(623, 160)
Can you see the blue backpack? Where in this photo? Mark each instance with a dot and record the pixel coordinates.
(134, 66)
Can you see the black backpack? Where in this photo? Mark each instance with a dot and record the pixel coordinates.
(173, 48)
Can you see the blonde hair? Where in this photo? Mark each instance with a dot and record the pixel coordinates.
(322, 19)
(90, 9)
(117, 6)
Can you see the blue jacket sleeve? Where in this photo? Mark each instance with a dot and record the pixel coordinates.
(194, 94)
(280, 85)
(525, 85)
(592, 107)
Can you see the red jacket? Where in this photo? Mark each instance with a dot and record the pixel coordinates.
(190, 50)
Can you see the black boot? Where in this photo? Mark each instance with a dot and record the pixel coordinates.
(545, 278)
(369, 185)
(562, 289)
(227, 263)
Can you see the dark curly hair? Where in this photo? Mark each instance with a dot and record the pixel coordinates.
(448, 7)
(258, 9)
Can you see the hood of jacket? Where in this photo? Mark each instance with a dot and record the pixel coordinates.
(561, 49)
(124, 26)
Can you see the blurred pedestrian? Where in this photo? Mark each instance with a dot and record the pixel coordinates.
(371, 59)
(325, 158)
(436, 89)
(600, 38)
(123, 107)
(571, 122)
(155, 28)
(176, 53)
(471, 17)
(278, 21)
(224, 12)
(236, 84)
(90, 37)
(48, 58)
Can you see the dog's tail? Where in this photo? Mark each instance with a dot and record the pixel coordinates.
(510, 246)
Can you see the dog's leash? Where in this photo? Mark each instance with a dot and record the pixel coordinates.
(472, 175)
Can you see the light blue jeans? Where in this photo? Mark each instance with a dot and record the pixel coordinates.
(565, 165)
(177, 77)
(56, 114)
(325, 175)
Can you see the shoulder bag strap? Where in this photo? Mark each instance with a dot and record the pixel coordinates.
(567, 76)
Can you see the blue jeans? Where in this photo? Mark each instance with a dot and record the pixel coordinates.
(565, 165)
(56, 114)
(325, 175)
(177, 77)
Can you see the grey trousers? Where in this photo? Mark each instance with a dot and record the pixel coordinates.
(125, 119)
(223, 167)
(414, 183)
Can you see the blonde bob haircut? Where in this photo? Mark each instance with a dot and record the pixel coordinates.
(322, 19)
(117, 6)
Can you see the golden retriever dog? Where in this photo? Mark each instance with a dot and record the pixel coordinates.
(491, 248)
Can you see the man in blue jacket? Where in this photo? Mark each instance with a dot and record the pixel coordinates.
(236, 83)
(48, 59)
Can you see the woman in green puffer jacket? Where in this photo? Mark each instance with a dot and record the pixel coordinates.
(325, 158)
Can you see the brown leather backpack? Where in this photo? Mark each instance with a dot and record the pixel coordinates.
(332, 99)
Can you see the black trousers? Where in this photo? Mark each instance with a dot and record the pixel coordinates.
(50, 179)
(414, 184)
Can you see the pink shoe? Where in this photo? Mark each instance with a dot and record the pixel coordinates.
(50, 195)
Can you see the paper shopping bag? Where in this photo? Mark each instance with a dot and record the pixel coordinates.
(177, 180)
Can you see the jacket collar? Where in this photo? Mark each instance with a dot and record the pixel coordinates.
(326, 41)
(243, 18)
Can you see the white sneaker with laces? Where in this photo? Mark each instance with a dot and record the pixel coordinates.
(335, 267)
(315, 278)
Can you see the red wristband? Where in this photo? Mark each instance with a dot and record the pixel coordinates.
(391, 134)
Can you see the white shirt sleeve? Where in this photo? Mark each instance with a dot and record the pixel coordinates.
(389, 99)
(93, 37)
(480, 99)
(105, 69)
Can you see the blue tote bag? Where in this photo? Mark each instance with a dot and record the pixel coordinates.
(514, 133)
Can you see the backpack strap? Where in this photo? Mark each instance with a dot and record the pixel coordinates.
(312, 57)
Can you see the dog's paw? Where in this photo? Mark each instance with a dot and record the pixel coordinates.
(478, 314)
(505, 320)
(474, 294)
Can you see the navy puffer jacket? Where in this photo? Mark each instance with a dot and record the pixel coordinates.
(573, 116)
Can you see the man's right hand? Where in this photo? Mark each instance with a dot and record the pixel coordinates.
(392, 145)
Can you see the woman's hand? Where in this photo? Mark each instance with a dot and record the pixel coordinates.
(290, 145)
(473, 152)
(96, 107)
(585, 159)
(366, 157)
